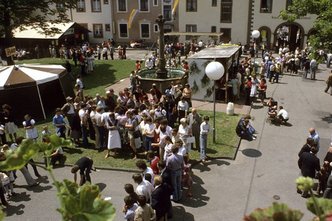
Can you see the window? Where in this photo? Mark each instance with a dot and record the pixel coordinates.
(145, 30)
(190, 28)
(214, 3)
(213, 29)
(167, 12)
(226, 11)
(81, 6)
(107, 27)
(105, 2)
(95, 6)
(191, 5)
(59, 6)
(156, 28)
(155, 2)
(123, 31)
(266, 6)
(144, 5)
(97, 30)
(226, 35)
(122, 5)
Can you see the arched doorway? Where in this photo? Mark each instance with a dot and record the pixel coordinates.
(265, 36)
(289, 34)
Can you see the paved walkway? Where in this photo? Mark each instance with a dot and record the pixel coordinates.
(264, 170)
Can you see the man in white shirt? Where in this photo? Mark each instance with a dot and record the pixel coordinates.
(314, 135)
(282, 115)
(144, 187)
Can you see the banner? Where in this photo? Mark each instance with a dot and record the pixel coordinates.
(131, 17)
(175, 5)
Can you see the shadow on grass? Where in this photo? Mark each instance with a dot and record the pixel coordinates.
(71, 150)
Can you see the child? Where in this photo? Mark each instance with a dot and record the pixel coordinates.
(153, 159)
(187, 180)
(204, 131)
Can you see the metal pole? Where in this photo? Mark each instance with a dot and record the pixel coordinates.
(214, 112)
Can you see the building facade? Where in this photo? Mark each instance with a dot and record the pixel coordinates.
(236, 19)
(96, 16)
(143, 27)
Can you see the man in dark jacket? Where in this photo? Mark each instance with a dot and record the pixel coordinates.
(161, 201)
(306, 147)
(309, 163)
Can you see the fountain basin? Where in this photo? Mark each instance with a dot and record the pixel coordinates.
(148, 77)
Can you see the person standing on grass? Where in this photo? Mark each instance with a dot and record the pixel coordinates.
(59, 123)
(30, 129)
(114, 139)
(204, 131)
(131, 126)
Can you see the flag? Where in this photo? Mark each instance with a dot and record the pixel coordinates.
(175, 5)
(131, 17)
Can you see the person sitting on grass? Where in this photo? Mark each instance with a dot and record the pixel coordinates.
(242, 130)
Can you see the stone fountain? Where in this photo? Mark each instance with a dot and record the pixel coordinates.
(162, 76)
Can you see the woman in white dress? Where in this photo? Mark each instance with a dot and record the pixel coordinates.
(184, 132)
(114, 140)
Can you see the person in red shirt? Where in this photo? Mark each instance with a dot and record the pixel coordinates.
(138, 65)
(153, 159)
(262, 90)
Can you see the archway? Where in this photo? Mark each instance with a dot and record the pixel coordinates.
(265, 37)
(289, 34)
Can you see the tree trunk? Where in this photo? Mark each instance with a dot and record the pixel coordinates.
(8, 34)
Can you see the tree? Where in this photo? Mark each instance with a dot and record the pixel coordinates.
(34, 13)
(321, 36)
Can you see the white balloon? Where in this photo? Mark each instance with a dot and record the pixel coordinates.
(214, 70)
(255, 34)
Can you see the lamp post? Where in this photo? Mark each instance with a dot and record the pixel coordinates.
(214, 70)
(255, 34)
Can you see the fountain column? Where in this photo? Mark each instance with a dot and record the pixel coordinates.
(161, 72)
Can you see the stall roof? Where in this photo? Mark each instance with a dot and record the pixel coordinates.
(194, 34)
(217, 52)
(37, 33)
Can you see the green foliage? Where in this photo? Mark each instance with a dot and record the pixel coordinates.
(304, 183)
(27, 149)
(324, 206)
(19, 13)
(83, 203)
(321, 37)
(276, 212)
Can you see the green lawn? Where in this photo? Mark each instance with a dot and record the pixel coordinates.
(107, 73)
